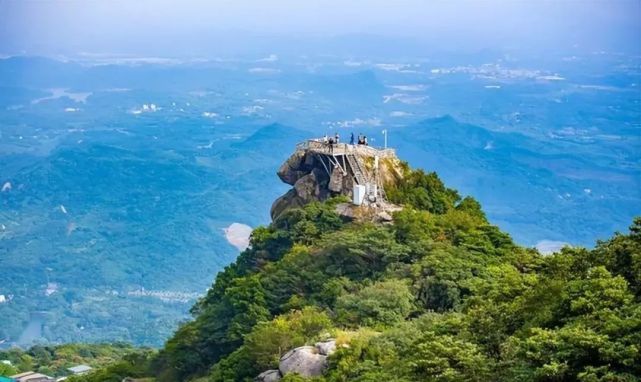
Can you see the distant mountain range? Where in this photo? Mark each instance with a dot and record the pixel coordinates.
(112, 202)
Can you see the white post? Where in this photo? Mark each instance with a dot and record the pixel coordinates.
(385, 135)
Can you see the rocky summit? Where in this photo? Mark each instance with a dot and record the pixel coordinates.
(318, 171)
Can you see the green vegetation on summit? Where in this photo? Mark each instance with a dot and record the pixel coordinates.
(440, 294)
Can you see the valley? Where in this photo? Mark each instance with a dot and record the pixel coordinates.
(120, 178)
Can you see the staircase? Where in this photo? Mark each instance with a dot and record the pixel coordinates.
(355, 164)
(359, 176)
(381, 190)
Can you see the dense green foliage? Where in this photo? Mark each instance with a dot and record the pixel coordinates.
(133, 365)
(438, 295)
(54, 360)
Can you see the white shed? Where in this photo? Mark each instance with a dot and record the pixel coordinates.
(359, 194)
(80, 369)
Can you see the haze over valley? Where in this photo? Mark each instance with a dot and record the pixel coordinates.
(129, 180)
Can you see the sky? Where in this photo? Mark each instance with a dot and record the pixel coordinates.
(210, 28)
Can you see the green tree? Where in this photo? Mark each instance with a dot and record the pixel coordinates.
(423, 191)
(383, 303)
(7, 370)
(268, 341)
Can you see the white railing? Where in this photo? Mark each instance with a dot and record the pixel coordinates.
(344, 148)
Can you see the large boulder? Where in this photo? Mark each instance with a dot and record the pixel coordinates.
(307, 187)
(289, 200)
(304, 360)
(294, 168)
(268, 376)
(336, 181)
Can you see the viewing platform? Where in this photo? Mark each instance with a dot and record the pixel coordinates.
(319, 146)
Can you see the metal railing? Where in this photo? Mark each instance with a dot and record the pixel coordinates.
(319, 145)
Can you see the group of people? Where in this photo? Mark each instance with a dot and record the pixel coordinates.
(331, 141)
(362, 139)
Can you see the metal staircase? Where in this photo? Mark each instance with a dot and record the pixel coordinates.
(357, 169)
(381, 189)
(360, 177)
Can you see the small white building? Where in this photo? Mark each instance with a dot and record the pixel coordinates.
(80, 369)
(358, 194)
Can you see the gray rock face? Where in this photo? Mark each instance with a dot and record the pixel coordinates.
(268, 376)
(289, 200)
(294, 168)
(304, 360)
(310, 184)
(336, 181)
(307, 187)
(326, 347)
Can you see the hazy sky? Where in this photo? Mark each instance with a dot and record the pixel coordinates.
(226, 27)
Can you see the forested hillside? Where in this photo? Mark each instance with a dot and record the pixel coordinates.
(55, 360)
(440, 294)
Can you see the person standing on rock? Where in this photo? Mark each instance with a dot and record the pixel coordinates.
(351, 139)
(336, 138)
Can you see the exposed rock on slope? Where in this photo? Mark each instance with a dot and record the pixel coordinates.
(307, 361)
(304, 360)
